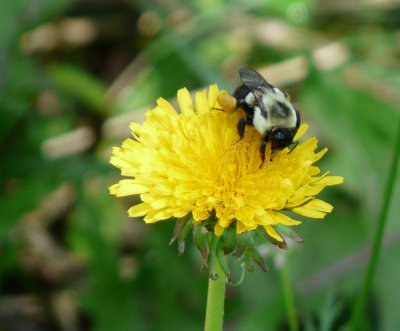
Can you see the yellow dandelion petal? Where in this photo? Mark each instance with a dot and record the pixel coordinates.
(312, 190)
(185, 102)
(127, 187)
(135, 127)
(213, 93)
(242, 227)
(312, 171)
(272, 233)
(302, 130)
(166, 107)
(139, 210)
(219, 230)
(304, 194)
(309, 145)
(315, 208)
(200, 215)
(193, 162)
(201, 102)
(331, 180)
(279, 218)
(320, 154)
(307, 212)
(156, 215)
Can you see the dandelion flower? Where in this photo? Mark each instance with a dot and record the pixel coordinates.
(194, 163)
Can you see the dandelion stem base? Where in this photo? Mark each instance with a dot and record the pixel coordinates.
(215, 300)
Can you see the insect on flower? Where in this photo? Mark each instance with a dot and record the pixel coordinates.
(266, 108)
(189, 163)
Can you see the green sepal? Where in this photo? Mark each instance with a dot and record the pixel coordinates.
(229, 240)
(242, 241)
(247, 261)
(290, 233)
(223, 262)
(181, 231)
(256, 257)
(243, 273)
(280, 244)
(179, 225)
(201, 238)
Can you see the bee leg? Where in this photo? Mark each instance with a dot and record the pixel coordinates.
(247, 120)
(263, 147)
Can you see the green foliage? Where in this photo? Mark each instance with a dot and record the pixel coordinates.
(108, 298)
(78, 84)
(121, 274)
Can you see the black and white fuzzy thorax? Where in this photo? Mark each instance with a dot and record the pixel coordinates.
(268, 109)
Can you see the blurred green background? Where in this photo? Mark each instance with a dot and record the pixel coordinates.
(73, 74)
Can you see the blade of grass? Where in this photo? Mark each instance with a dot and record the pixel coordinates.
(289, 300)
(356, 318)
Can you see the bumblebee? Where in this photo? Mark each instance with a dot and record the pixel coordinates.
(266, 108)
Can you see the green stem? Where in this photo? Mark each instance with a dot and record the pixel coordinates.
(289, 300)
(356, 322)
(215, 300)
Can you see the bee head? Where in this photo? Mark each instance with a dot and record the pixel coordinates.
(281, 138)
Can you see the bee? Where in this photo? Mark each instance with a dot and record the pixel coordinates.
(266, 108)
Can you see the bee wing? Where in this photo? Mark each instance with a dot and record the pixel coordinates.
(253, 80)
(258, 95)
(257, 85)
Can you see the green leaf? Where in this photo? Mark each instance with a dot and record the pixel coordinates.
(79, 84)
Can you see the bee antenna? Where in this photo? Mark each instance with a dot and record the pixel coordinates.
(295, 145)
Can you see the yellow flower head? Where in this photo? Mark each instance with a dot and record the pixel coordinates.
(193, 162)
